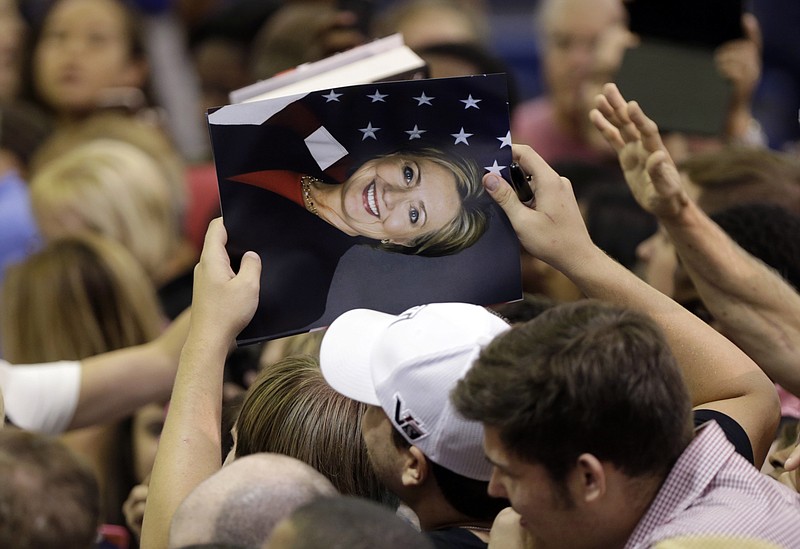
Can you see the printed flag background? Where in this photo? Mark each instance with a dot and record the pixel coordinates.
(310, 273)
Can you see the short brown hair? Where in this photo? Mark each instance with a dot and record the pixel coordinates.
(738, 175)
(49, 498)
(582, 377)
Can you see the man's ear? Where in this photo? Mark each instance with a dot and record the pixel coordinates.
(588, 479)
(415, 467)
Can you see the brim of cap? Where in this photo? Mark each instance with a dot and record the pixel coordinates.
(345, 356)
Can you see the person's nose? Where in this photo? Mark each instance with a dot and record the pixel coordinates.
(580, 55)
(496, 488)
(394, 194)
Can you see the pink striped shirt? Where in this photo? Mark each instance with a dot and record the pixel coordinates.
(712, 494)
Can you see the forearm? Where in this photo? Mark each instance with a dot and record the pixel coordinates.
(114, 385)
(700, 351)
(752, 304)
(189, 449)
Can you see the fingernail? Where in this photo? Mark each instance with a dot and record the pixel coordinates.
(491, 182)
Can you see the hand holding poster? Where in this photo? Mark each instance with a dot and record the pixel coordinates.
(368, 196)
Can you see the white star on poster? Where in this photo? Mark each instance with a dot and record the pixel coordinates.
(495, 169)
(470, 102)
(416, 133)
(332, 96)
(424, 100)
(378, 96)
(461, 137)
(505, 141)
(369, 131)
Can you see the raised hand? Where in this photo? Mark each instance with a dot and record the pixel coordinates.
(552, 229)
(649, 170)
(223, 302)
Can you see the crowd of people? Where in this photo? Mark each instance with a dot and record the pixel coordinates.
(645, 392)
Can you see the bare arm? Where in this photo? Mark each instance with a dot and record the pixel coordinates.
(754, 306)
(113, 385)
(719, 376)
(189, 449)
(654, 181)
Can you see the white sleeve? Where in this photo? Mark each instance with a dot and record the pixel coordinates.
(41, 397)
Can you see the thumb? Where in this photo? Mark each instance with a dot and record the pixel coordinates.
(502, 193)
(250, 267)
(663, 174)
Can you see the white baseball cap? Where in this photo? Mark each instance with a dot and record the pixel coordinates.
(408, 364)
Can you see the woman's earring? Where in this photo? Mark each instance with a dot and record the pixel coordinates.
(385, 241)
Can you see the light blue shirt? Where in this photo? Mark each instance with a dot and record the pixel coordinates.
(19, 235)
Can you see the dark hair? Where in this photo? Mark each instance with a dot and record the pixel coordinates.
(472, 219)
(582, 377)
(466, 495)
(133, 25)
(767, 231)
(49, 498)
(739, 174)
(352, 523)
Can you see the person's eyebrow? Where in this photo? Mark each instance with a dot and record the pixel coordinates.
(495, 464)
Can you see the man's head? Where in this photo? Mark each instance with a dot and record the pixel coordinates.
(243, 501)
(581, 394)
(582, 41)
(345, 522)
(738, 175)
(404, 366)
(49, 498)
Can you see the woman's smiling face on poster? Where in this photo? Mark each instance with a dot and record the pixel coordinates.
(399, 198)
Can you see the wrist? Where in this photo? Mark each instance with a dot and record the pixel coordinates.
(743, 129)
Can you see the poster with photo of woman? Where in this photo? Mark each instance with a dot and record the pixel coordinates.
(368, 196)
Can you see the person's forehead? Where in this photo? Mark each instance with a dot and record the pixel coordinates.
(493, 447)
(582, 16)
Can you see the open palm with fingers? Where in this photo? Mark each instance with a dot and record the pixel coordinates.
(649, 170)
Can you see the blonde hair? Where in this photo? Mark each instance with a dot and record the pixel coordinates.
(146, 136)
(291, 410)
(77, 297)
(114, 189)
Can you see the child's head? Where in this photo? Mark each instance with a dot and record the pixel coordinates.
(85, 49)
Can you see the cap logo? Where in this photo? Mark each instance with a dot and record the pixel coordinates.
(408, 314)
(406, 422)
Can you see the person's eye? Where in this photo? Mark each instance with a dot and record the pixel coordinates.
(413, 215)
(408, 174)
